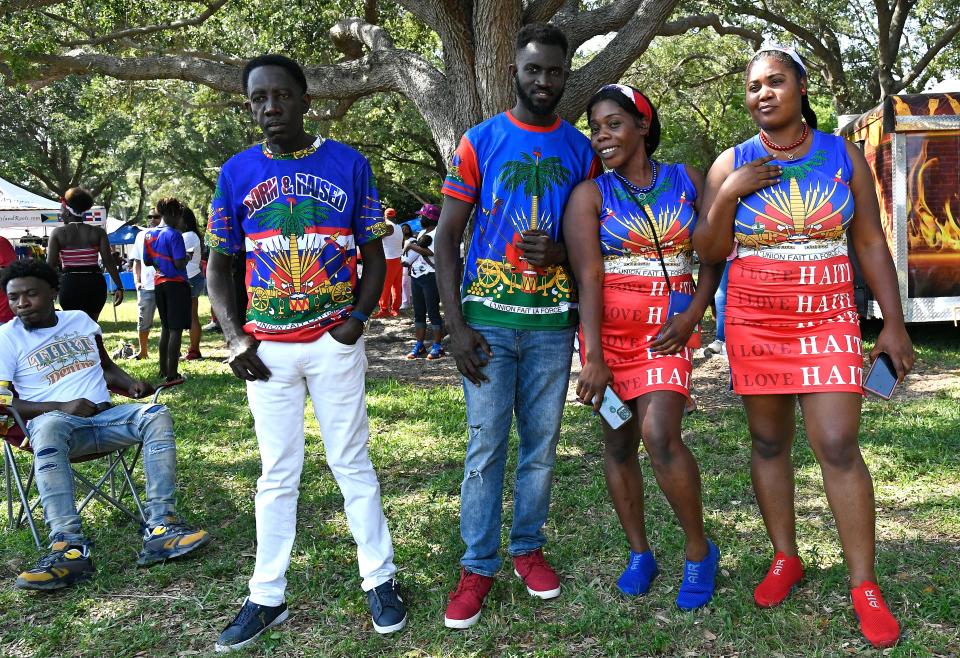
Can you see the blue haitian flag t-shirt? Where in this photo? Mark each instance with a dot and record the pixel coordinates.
(520, 177)
(163, 246)
(299, 219)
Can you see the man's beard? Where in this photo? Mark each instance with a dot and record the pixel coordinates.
(531, 105)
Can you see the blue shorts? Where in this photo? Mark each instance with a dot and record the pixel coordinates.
(198, 285)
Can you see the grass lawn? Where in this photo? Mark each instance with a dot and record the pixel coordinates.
(418, 441)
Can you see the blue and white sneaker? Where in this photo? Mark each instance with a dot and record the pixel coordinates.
(386, 607)
(639, 574)
(698, 585)
(249, 624)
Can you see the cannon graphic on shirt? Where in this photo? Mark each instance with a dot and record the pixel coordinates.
(340, 292)
(491, 274)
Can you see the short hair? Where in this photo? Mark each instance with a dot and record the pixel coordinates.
(284, 62)
(21, 269)
(611, 93)
(79, 199)
(171, 207)
(544, 33)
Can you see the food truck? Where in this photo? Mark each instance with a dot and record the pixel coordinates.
(912, 144)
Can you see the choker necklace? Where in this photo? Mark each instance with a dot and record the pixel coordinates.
(770, 144)
(641, 192)
(294, 155)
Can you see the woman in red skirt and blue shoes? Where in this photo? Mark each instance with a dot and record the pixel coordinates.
(791, 197)
(628, 240)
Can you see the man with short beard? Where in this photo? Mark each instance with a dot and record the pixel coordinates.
(512, 324)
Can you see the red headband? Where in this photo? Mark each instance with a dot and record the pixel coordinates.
(639, 100)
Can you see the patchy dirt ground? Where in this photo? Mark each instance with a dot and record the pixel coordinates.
(389, 340)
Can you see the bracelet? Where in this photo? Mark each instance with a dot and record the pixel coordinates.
(359, 315)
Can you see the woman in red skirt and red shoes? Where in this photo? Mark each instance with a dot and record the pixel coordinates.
(790, 197)
(628, 240)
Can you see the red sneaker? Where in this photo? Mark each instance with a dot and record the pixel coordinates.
(539, 577)
(877, 623)
(784, 574)
(463, 611)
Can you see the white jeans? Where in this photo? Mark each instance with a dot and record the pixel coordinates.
(333, 374)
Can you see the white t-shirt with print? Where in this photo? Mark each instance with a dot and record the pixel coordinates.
(147, 273)
(54, 364)
(192, 242)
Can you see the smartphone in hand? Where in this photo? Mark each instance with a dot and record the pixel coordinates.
(882, 378)
(613, 410)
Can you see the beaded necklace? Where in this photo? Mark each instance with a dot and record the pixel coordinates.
(770, 144)
(302, 153)
(641, 192)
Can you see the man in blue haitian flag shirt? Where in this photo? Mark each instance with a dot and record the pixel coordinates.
(512, 323)
(165, 251)
(297, 208)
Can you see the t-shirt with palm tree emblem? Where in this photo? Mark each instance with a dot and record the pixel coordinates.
(299, 219)
(520, 177)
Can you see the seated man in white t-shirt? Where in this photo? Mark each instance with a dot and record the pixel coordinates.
(61, 371)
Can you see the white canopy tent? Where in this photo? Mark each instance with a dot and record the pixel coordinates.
(21, 210)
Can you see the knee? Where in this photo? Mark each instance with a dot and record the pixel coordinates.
(768, 446)
(661, 447)
(839, 453)
(156, 426)
(620, 452)
(49, 431)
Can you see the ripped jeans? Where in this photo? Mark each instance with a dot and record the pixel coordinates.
(56, 437)
(528, 374)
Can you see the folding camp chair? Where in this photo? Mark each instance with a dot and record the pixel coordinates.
(119, 466)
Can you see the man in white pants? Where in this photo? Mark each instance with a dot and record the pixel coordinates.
(299, 207)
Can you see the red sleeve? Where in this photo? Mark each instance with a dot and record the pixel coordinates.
(7, 253)
(595, 168)
(463, 180)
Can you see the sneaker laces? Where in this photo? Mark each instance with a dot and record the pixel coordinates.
(389, 597)
(248, 611)
(534, 560)
(50, 558)
(471, 582)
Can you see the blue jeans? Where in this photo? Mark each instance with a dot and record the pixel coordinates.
(528, 375)
(56, 437)
(720, 301)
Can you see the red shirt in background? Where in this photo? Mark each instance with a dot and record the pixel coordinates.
(7, 256)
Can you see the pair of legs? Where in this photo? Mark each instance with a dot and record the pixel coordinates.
(656, 421)
(57, 437)
(426, 303)
(832, 421)
(333, 374)
(392, 288)
(83, 289)
(146, 309)
(173, 302)
(528, 375)
(198, 286)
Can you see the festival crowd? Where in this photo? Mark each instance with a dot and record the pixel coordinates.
(572, 237)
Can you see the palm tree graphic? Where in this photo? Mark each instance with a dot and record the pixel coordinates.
(536, 175)
(292, 219)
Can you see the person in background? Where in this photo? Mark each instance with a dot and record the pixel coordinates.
(426, 299)
(143, 277)
(406, 284)
(75, 248)
(7, 256)
(164, 249)
(393, 285)
(198, 283)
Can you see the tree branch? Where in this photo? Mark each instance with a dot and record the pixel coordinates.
(211, 9)
(540, 10)
(352, 35)
(701, 21)
(14, 6)
(582, 26)
(333, 111)
(946, 38)
(610, 63)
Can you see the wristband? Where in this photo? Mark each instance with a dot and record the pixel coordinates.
(359, 315)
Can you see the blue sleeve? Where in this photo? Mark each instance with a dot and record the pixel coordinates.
(178, 248)
(368, 222)
(224, 230)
